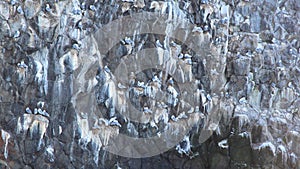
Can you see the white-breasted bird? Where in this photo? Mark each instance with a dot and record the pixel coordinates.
(35, 111)
(158, 6)
(48, 8)
(22, 65)
(197, 29)
(121, 86)
(44, 113)
(180, 56)
(114, 122)
(40, 104)
(27, 110)
(184, 146)
(141, 84)
(147, 110)
(40, 111)
(106, 69)
(158, 44)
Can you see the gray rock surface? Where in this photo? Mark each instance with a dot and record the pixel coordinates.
(61, 105)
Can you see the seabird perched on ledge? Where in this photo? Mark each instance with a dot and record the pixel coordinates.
(147, 110)
(180, 116)
(107, 69)
(27, 110)
(22, 65)
(45, 113)
(20, 10)
(158, 44)
(114, 122)
(184, 146)
(40, 104)
(120, 86)
(180, 56)
(35, 111)
(159, 6)
(171, 81)
(197, 29)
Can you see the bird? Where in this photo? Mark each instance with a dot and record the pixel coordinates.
(114, 122)
(127, 40)
(191, 110)
(82, 5)
(139, 4)
(187, 56)
(162, 105)
(197, 29)
(158, 6)
(204, 1)
(184, 146)
(44, 113)
(101, 76)
(172, 91)
(129, 44)
(20, 10)
(35, 111)
(171, 81)
(125, 6)
(121, 86)
(118, 166)
(80, 25)
(180, 56)
(48, 8)
(172, 43)
(13, 2)
(158, 44)
(205, 28)
(173, 100)
(76, 46)
(243, 100)
(147, 110)
(180, 116)
(40, 104)
(188, 61)
(96, 124)
(103, 121)
(155, 78)
(92, 7)
(208, 97)
(40, 111)
(174, 118)
(106, 69)
(22, 65)
(152, 124)
(207, 11)
(197, 109)
(83, 115)
(27, 110)
(141, 84)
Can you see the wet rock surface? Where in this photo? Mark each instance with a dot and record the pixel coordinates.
(63, 100)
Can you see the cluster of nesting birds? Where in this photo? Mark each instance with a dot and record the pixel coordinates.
(111, 122)
(153, 86)
(38, 110)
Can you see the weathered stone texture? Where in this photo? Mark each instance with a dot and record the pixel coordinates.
(246, 68)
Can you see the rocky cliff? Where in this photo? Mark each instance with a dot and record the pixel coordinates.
(150, 84)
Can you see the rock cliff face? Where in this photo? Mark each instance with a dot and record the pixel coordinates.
(215, 83)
